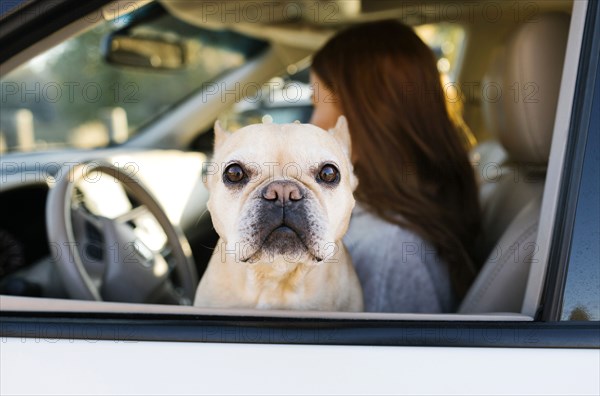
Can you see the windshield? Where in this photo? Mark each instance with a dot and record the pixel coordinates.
(73, 95)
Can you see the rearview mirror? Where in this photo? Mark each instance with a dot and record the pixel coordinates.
(151, 52)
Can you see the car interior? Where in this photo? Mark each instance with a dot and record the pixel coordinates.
(189, 63)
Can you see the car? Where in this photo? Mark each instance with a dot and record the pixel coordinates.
(106, 130)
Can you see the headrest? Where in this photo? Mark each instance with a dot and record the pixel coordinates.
(529, 71)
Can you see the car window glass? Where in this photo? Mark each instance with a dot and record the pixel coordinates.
(70, 95)
(582, 289)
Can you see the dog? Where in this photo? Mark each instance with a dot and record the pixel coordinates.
(281, 200)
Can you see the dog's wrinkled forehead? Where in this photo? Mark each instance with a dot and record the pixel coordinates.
(301, 144)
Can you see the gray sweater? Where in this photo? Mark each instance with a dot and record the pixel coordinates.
(398, 270)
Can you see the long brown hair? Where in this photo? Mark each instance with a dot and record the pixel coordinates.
(411, 162)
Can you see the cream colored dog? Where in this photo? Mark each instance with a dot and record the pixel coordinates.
(280, 200)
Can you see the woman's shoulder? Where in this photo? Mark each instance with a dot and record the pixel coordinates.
(399, 270)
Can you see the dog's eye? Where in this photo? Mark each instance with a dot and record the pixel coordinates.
(234, 173)
(329, 174)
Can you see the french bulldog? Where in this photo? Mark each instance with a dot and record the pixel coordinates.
(280, 200)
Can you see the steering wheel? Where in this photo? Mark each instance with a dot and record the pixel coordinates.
(138, 256)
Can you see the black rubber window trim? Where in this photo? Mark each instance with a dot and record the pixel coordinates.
(269, 330)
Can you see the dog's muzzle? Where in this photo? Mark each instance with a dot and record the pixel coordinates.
(283, 225)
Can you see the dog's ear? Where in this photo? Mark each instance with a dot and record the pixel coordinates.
(341, 133)
(221, 135)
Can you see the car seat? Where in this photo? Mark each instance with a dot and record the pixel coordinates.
(528, 69)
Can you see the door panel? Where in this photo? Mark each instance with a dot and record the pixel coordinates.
(44, 366)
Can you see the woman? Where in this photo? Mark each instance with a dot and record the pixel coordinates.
(417, 212)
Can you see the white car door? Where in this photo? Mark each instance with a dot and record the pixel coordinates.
(66, 347)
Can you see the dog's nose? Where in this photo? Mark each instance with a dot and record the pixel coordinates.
(282, 192)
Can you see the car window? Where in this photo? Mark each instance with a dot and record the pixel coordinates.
(582, 289)
(446, 40)
(71, 95)
(134, 96)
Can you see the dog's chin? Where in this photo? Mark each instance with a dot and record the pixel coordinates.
(282, 241)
